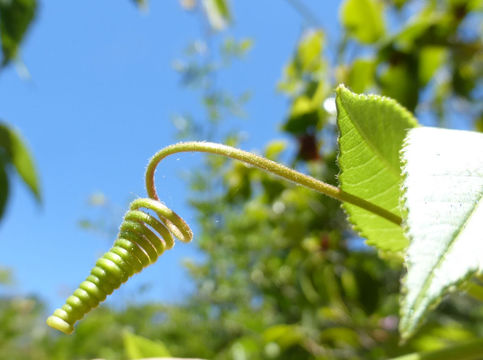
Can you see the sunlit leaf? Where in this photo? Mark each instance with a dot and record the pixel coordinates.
(372, 130)
(19, 155)
(15, 19)
(306, 111)
(274, 148)
(284, 335)
(363, 20)
(309, 50)
(475, 5)
(406, 39)
(236, 48)
(430, 59)
(6, 277)
(341, 336)
(307, 64)
(245, 347)
(361, 75)
(444, 199)
(137, 347)
(218, 13)
(246, 45)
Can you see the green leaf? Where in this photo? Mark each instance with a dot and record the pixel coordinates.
(307, 64)
(18, 154)
(479, 123)
(218, 13)
(469, 350)
(399, 82)
(475, 5)
(15, 19)
(137, 347)
(309, 50)
(4, 188)
(430, 60)
(361, 75)
(274, 149)
(408, 39)
(284, 335)
(443, 193)
(363, 20)
(6, 277)
(306, 111)
(372, 129)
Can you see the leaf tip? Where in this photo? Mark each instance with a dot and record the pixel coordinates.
(341, 90)
(342, 94)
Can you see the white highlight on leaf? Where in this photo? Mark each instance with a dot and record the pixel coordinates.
(444, 199)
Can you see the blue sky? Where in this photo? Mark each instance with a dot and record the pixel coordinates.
(98, 104)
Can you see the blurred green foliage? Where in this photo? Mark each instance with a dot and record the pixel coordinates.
(14, 155)
(282, 275)
(16, 16)
(364, 20)
(22, 329)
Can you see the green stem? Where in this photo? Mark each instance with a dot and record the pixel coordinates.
(470, 351)
(264, 164)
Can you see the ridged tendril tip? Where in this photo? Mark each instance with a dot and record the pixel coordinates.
(143, 237)
(57, 323)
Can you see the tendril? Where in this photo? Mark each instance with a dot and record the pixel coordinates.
(142, 238)
(145, 235)
(266, 165)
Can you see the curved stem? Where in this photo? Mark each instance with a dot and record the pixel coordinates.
(264, 164)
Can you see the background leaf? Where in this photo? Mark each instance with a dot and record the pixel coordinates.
(396, 82)
(372, 130)
(218, 13)
(307, 63)
(361, 75)
(4, 188)
(430, 60)
(18, 154)
(15, 19)
(444, 199)
(363, 20)
(137, 347)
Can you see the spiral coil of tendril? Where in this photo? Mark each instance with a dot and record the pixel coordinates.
(142, 238)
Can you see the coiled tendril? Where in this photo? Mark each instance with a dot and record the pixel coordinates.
(138, 245)
(142, 238)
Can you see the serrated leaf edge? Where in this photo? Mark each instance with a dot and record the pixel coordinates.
(407, 114)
